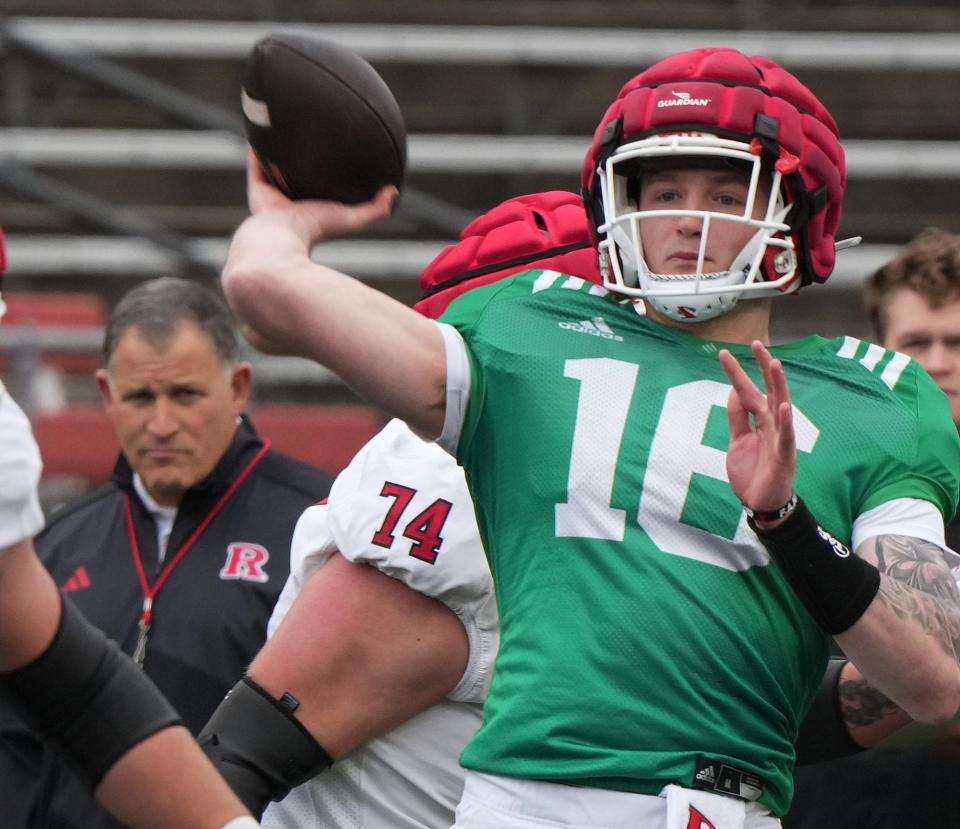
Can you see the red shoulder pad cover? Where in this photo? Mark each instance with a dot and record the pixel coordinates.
(521, 233)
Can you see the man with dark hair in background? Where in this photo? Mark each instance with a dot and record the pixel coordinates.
(71, 684)
(181, 557)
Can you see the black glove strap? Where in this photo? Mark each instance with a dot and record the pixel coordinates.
(835, 586)
(259, 747)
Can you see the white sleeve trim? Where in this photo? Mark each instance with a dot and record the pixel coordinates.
(245, 822)
(20, 468)
(482, 625)
(458, 387)
(911, 517)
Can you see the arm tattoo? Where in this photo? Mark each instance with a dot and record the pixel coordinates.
(863, 705)
(919, 564)
(916, 583)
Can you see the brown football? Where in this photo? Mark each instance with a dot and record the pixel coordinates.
(321, 120)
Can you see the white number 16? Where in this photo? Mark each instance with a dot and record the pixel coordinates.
(676, 454)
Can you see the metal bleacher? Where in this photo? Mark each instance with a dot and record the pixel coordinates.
(121, 149)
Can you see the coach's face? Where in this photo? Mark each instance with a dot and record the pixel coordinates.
(174, 407)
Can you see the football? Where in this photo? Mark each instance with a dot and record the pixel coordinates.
(322, 122)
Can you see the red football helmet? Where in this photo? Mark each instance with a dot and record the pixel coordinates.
(718, 108)
(542, 230)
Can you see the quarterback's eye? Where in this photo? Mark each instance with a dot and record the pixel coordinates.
(659, 195)
(731, 197)
(729, 200)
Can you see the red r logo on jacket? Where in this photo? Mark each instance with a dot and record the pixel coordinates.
(698, 821)
(246, 561)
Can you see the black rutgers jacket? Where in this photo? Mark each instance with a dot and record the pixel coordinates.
(209, 615)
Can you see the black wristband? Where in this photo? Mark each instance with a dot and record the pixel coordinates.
(835, 586)
(774, 514)
(823, 733)
(259, 747)
(87, 698)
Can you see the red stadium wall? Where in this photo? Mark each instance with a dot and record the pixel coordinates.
(79, 441)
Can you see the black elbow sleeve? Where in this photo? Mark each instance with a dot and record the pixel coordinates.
(86, 698)
(259, 747)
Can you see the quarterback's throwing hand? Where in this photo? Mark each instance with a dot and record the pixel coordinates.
(762, 456)
(313, 220)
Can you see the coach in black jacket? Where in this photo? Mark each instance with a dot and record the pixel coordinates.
(181, 557)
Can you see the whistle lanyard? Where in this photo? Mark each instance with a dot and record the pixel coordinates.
(150, 590)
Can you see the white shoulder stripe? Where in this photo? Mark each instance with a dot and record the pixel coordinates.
(849, 348)
(548, 279)
(874, 355)
(545, 280)
(891, 374)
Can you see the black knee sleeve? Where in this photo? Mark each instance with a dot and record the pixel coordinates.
(259, 747)
(86, 697)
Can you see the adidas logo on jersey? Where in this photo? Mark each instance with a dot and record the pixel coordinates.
(706, 775)
(596, 327)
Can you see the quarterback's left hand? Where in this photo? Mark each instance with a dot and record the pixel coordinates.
(762, 456)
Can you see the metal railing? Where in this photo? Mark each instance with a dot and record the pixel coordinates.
(484, 154)
(515, 45)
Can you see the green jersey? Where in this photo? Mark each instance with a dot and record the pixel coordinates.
(646, 637)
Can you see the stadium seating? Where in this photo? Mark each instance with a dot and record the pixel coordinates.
(120, 158)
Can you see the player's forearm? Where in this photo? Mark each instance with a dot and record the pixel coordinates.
(904, 640)
(386, 352)
(29, 606)
(165, 782)
(906, 646)
(908, 641)
(267, 282)
(870, 715)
